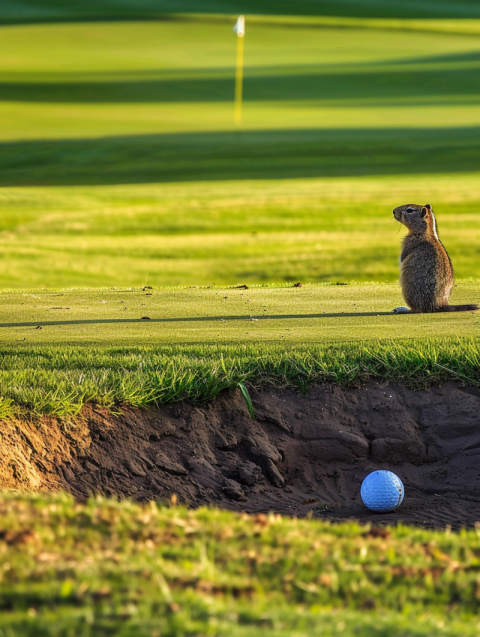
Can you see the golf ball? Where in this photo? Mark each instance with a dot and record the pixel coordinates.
(382, 491)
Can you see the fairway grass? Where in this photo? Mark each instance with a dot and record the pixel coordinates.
(119, 162)
(95, 80)
(117, 568)
(120, 167)
(61, 349)
(227, 232)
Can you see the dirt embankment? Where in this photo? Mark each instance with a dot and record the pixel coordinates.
(302, 455)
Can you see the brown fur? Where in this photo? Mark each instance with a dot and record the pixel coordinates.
(426, 273)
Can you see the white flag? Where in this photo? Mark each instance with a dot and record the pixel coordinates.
(239, 27)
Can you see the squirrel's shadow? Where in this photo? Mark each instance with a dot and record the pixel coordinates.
(225, 318)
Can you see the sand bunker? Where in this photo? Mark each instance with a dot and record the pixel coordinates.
(303, 455)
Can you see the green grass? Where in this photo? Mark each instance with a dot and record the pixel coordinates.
(51, 10)
(227, 232)
(118, 158)
(89, 80)
(109, 568)
(120, 166)
(199, 342)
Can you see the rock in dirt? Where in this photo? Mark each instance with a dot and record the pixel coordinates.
(249, 473)
(204, 474)
(233, 490)
(134, 467)
(273, 473)
(225, 440)
(161, 428)
(260, 447)
(169, 465)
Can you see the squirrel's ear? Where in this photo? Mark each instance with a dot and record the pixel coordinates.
(425, 211)
(427, 205)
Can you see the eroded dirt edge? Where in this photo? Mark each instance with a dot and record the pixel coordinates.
(302, 455)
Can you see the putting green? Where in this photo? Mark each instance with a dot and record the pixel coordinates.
(84, 80)
(96, 345)
(310, 314)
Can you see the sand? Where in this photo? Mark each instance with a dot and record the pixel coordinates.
(302, 455)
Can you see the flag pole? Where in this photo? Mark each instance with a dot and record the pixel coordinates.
(240, 31)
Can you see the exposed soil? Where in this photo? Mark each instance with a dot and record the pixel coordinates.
(303, 455)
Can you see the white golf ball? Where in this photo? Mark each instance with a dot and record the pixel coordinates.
(382, 491)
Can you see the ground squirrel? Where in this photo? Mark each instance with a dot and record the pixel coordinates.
(426, 272)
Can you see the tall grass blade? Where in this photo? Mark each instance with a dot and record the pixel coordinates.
(248, 400)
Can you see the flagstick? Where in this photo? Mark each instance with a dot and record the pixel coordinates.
(239, 79)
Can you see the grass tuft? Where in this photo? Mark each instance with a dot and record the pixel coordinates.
(60, 380)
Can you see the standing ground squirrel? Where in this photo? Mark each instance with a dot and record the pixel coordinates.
(426, 272)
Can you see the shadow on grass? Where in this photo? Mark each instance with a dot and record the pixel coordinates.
(273, 154)
(365, 82)
(193, 319)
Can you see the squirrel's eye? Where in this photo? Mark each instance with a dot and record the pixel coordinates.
(409, 210)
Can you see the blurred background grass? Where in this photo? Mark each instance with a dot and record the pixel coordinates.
(36, 10)
(119, 159)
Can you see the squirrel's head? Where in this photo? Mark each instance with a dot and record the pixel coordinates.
(416, 218)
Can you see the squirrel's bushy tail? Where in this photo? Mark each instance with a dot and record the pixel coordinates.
(458, 308)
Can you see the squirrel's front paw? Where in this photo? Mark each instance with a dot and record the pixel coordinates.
(402, 310)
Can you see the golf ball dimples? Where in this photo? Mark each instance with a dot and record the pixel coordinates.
(382, 491)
